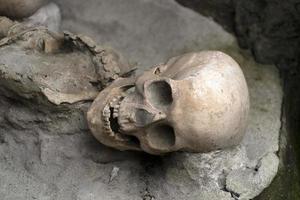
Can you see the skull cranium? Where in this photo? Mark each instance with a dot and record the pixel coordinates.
(196, 102)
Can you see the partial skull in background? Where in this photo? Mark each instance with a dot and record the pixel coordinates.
(32, 12)
(196, 102)
(18, 9)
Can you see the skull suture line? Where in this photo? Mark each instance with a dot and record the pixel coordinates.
(196, 102)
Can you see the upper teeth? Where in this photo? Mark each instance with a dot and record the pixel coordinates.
(116, 112)
(114, 104)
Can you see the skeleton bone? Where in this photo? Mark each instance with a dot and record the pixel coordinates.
(48, 16)
(75, 73)
(196, 102)
(18, 9)
(32, 12)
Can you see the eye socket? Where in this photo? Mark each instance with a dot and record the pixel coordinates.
(159, 94)
(161, 136)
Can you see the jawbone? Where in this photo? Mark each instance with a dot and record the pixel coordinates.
(102, 116)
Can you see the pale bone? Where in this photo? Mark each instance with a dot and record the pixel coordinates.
(196, 102)
(18, 9)
(32, 12)
(72, 68)
(48, 16)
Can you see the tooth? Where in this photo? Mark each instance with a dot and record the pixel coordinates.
(106, 111)
(115, 115)
(124, 121)
(106, 115)
(107, 128)
(113, 103)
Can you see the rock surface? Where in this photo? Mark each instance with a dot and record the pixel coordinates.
(270, 28)
(46, 151)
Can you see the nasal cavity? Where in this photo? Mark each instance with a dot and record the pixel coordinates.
(161, 137)
(143, 117)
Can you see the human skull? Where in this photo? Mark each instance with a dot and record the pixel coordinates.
(196, 102)
(18, 9)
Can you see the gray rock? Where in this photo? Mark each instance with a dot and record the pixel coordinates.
(146, 32)
(46, 151)
(246, 183)
(269, 28)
